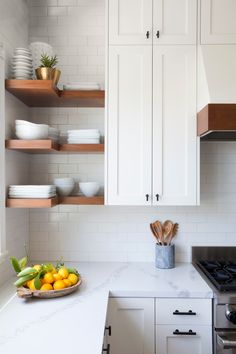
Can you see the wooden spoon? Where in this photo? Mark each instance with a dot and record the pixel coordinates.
(158, 228)
(167, 227)
(154, 233)
(174, 231)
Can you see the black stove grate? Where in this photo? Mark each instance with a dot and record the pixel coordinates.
(221, 273)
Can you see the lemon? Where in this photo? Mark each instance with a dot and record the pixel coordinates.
(59, 284)
(57, 276)
(63, 272)
(48, 278)
(31, 285)
(73, 278)
(37, 267)
(67, 282)
(53, 271)
(28, 283)
(46, 287)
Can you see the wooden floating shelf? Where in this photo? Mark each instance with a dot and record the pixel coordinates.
(81, 200)
(42, 93)
(49, 146)
(31, 203)
(51, 202)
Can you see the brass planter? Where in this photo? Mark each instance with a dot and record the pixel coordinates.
(48, 74)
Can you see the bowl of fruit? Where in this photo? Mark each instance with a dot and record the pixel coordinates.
(44, 280)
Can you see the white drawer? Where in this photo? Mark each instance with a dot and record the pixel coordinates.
(184, 311)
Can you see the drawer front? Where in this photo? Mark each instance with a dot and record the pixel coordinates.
(184, 311)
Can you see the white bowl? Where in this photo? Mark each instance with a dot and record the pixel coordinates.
(64, 185)
(32, 132)
(89, 189)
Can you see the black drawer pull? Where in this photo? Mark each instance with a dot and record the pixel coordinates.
(108, 328)
(189, 313)
(189, 333)
(107, 349)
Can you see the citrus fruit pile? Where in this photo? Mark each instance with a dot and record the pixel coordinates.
(44, 277)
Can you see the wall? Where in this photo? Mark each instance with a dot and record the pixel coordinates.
(97, 233)
(14, 33)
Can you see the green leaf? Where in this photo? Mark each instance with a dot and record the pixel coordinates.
(27, 271)
(73, 271)
(15, 264)
(22, 280)
(37, 283)
(22, 262)
(48, 62)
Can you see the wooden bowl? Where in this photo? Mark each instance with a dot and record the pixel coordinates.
(25, 293)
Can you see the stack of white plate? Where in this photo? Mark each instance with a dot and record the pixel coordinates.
(83, 136)
(22, 68)
(37, 49)
(86, 86)
(30, 192)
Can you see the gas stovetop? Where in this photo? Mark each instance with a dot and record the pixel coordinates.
(221, 273)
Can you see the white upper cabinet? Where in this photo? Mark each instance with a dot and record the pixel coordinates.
(218, 25)
(174, 21)
(129, 125)
(133, 22)
(174, 125)
(130, 22)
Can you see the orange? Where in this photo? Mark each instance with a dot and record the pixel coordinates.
(63, 272)
(73, 278)
(59, 284)
(67, 282)
(57, 276)
(31, 285)
(46, 287)
(48, 278)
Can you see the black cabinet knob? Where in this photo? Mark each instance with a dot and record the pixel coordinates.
(107, 349)
(147, 34)
(158, 34)
(147, 197)
(157, 197)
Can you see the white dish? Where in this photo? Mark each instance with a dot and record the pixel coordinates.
(84, 141)
(89, 189)
(22, 57)
(83, 131)
(31, 132)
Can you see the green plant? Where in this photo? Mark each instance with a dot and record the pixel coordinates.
(48, 62)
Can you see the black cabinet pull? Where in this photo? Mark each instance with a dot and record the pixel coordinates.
(147, 197)
(108, 328)
(158, 34)
(157, 197)
(189, 333)
(189, 313)
(147, 34)
(107, 349)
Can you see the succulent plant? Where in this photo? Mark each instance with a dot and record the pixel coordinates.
(48, 62)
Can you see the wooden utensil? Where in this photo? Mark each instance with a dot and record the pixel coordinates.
(174, 231)
(167, 227)
(158, 228)
(154, 233)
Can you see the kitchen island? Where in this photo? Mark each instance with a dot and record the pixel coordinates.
(76, 322)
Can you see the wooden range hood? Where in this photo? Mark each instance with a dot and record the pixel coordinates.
(217, 121)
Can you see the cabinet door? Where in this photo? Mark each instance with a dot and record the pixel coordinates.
(176, 21)
(129, 22)
(129, 124)
(174, 125)
(218, 25)
(132, 325)
(169, 343)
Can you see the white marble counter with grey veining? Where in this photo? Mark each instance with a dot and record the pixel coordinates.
(75, 323)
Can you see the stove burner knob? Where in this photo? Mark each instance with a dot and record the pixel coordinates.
(230, 313)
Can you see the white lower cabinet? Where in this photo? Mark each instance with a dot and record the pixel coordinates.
(159, 326)
(171, 339)
(132, 325)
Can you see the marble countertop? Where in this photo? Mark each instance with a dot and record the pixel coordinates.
(77, 321)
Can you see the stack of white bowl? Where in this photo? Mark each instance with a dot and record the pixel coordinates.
(22, 68)
(30, 131)
(47, 191)
(83, 136)
(64, 185)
